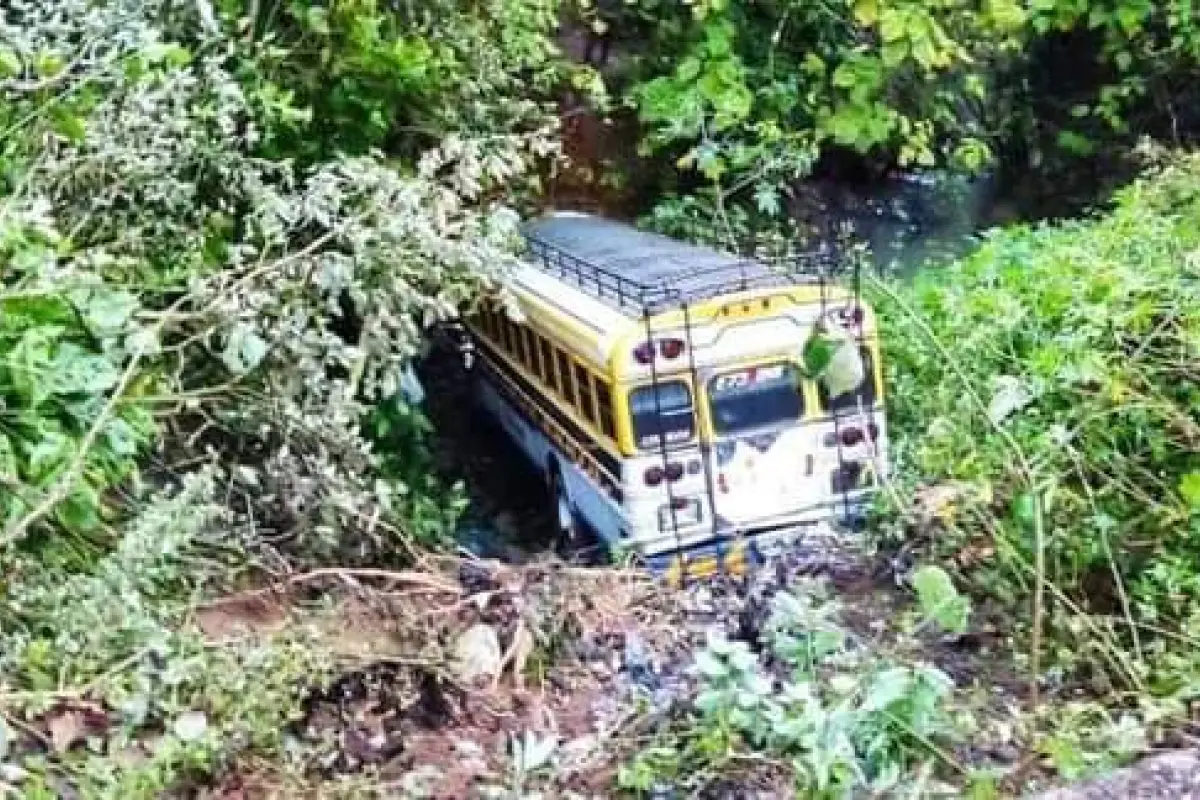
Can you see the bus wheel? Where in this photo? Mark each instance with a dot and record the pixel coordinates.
(570, 537)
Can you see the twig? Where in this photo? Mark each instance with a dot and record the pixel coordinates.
(29, 729)
(430, 583)
(1108, 554)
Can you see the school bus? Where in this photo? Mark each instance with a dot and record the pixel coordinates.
(660, 388)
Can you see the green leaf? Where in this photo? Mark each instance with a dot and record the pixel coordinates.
(244, 350)
(893, 24)
(48, 65)
(688, 69)
(68, 125)
(887, 687)
(10, 63)
(105, 310)
(817, 353)
(766, 199)
(81, 510)
(710, 666)
(1075, 143)
(121, 438)
(317, 20)
(866, 12)
(844, 76)
(1129, 17)
(939, 600)
(75, 370)
(1024, 509)
(51, 451)
(1189, 490)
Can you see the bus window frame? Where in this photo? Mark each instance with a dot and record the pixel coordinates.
(566, 376)
(546, 356)
(585, 393)
(801, 388)
(697, 421)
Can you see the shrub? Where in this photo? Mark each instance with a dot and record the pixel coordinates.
(1064, 383)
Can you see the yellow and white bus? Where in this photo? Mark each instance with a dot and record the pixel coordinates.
(661, 390)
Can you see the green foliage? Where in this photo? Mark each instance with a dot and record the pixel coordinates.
(367, 75)
(754, 95)
(750, 96)
(223, 231)
(64, 349)
(121, 630)
(1079, 341)
(840, 725)
(1089, 740)
(401, 434)
(939, 601)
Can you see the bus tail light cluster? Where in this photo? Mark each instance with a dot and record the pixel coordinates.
(852, 435)
(655, 475)
(668, 349)
(851, 315)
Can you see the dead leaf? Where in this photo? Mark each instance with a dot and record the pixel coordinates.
(66, 728)
(477, 654)
(519, 652)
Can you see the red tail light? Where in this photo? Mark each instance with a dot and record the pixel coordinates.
(722, 483)
(851, 436)
(671, 348)
(674, 471)
(680, 503)
(851, 315)
(654, 476)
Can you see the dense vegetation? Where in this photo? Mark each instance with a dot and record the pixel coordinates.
(753, 96)
(1052, 375)
(224, 227)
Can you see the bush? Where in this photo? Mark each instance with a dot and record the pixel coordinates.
(1074, 349)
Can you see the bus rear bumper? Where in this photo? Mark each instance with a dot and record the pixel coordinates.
(736, 555)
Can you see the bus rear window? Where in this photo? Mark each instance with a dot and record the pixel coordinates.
(755, 397)
(664, 410)
(864, 395)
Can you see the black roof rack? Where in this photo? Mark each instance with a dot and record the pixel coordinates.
(644, 272)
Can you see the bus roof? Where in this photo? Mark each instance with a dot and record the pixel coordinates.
(639, 272)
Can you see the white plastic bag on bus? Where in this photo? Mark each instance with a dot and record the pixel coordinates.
(845, 371)
(833, 358)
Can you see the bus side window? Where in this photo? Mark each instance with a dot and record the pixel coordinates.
(565, 376)
(532, 359)
(506, 333)
(583, 384)
(547, 363)
(491, 322)
(604, 405)
(519, 344)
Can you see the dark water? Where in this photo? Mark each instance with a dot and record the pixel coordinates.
(906, 221)
(508, 515)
